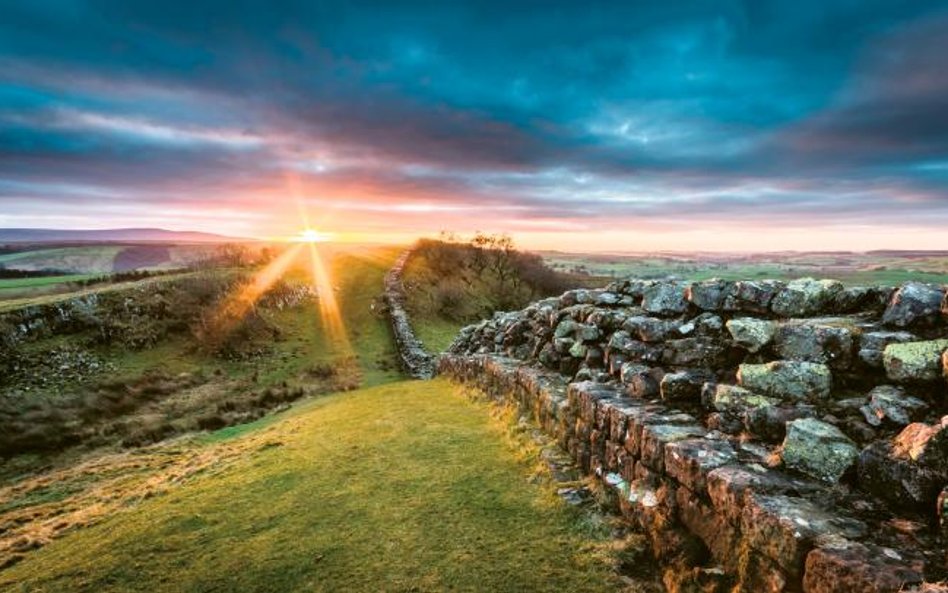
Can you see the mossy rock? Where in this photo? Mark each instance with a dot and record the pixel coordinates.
(912, 362)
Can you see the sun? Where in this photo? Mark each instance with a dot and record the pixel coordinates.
(311, 236)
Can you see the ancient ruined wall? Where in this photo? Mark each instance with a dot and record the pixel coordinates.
(779, 437)
(411, 353)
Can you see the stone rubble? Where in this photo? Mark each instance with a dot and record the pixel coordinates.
(772, 436)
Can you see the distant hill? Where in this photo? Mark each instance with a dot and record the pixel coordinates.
(110, 236)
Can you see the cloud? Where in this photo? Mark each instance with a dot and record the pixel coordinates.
(419, 116)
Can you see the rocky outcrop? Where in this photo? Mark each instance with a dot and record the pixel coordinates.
(784, 436)
(415, 360)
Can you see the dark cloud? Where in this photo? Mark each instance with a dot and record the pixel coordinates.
(565, 111)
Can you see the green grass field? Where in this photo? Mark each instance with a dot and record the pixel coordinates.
(408, 486)
(16, 283)
(851, 269)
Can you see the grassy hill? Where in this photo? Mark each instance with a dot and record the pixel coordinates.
(408, 486)
(397, 486)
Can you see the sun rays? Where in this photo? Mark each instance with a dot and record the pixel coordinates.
(329, 312)
(235, 306)
(304, 251)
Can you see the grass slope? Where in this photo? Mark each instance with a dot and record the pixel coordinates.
(403, 487)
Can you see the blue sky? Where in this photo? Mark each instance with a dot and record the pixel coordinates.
(691, 125)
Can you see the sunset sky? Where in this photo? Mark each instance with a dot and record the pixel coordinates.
(718, 125)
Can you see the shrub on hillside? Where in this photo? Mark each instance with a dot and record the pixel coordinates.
(462, 281)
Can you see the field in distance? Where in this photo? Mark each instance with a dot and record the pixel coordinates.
(875, 267)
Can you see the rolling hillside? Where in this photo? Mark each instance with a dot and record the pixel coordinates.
(398, 486)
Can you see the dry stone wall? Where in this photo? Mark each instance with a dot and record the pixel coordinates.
(769, 436)
(415, 360)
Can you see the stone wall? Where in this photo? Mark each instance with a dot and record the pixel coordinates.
(769, 436)
(411, 353)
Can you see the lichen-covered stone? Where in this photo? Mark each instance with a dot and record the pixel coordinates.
(587, 332)
(818, 449)
(708, 295)
(751, 296)
(858, 299)
(565, 329)
(830, 342)
(890, 404)
(735, 400)
(656, 436)
(842, 565)
(787, 379)
(695, 352)
(753, 334)
(645, 385)
(915, 303)
(783, 528)
(607, 298)
(630, 369)
(910, 362)
(649, 329)
(684, 385)
(872, 345)
(689, 461)
(805, 296)
(665, 298)
(769, 423)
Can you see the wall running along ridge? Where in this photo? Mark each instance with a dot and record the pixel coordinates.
(767, 436)
(411, 353)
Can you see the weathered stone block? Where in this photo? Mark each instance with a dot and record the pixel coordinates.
(708, 295)
(787, 380)
(684, 385)
(565, 329)
(911, 469)
(830, 342)
(751, 296)
(753, 334)
(872, 345)
(689, 461)
(842, 565)
(650, 415)
(890, 404)
(769, 423)
(873, 299)
(645, 385)
(735, 400)
(818, 449)
(910, 362)
(784, 528)
(720, 537)
(656, 436)
(630, 369)
(649, 329)
(805, 296)
(730, 486)
(915, 303)
(665, 298)
(695, 352)
(587, 332)
(607, 298)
